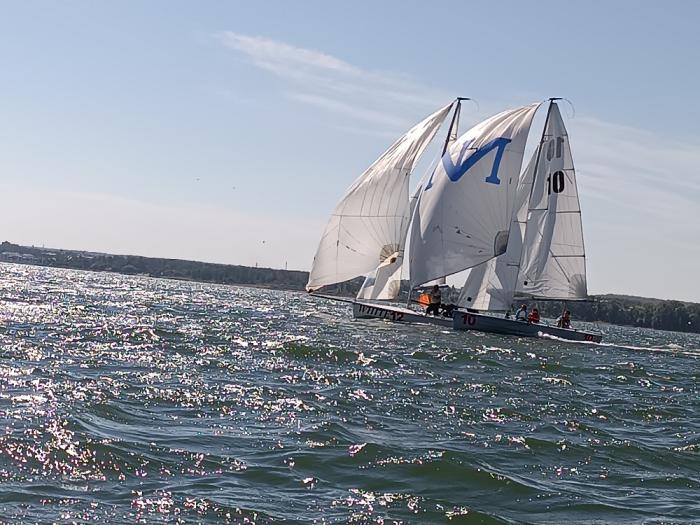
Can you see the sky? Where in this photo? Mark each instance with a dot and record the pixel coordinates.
(227, 131)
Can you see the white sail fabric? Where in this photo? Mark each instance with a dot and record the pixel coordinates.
(465, 209)
(451, 138)
(385, 281)
(491, 285)
(554, 262)
(368, 226)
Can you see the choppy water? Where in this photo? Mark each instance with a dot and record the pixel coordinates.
(128, 400)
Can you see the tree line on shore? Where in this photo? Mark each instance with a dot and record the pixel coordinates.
(615, 309)
(632, 311)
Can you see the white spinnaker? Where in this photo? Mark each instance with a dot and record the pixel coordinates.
(368, 226)
(452, 135)
(491, 285)
(384, 283)
(553, 265)
(465, 209)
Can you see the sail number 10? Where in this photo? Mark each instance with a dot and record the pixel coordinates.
(555, 181)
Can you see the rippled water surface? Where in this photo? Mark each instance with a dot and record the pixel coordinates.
(128, 399)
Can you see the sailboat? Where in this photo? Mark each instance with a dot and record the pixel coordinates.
(366, 234)
(545, 258)
(461, 217)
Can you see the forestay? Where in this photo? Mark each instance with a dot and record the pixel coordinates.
(367, 230)
(553, 265)
(465, 209)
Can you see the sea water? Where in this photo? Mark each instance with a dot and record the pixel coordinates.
(138, 400)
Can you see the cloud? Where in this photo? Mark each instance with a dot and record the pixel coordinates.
(639, 194)
(347, 109)
(284, 59)
(637, 169)
(332, 84)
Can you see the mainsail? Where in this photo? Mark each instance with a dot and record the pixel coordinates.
(464, 211)
(367, 230)
(553, 264)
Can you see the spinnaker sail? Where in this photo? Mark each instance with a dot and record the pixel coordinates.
(491, 286)
(367, 230)
(465, 209)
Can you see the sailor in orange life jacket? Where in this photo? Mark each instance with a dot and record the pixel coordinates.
(534, 316)
(435, 301)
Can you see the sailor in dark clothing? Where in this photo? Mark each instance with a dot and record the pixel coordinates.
(565, 320)
(448, 309)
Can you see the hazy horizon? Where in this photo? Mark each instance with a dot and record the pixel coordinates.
(457, 284)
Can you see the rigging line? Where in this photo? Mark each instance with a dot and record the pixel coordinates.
(361, 247)
(573, 109)
(395, 181)
(475, 103)
(401, 202)
(374, 234)
(561, 268)
(379, 189)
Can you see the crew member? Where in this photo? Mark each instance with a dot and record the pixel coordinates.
(435, 301)
(565, 320)
(534, 316)
(521, 314)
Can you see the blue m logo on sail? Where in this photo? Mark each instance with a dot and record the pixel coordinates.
(456, 171)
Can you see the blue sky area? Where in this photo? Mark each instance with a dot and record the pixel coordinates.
(227, 131)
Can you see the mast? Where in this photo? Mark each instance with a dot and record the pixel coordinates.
(539, 148)
(454, 124)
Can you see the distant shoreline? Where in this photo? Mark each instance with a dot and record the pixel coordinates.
(661, 314)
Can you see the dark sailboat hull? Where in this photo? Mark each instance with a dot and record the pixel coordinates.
(499, 325)
(469, 321)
